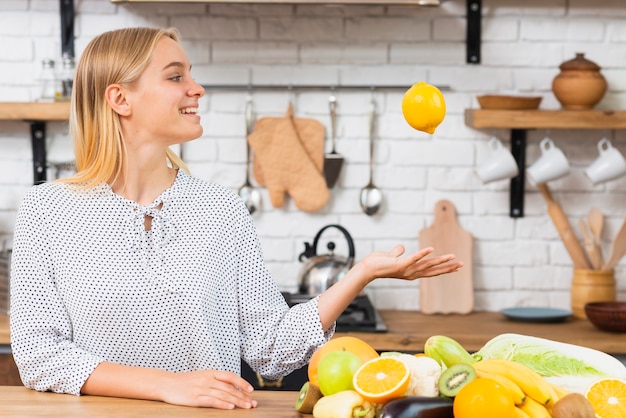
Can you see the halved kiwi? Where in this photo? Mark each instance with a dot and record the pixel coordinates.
(308, 396)
(454, 378)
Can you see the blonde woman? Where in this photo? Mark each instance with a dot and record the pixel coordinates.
(134, 279)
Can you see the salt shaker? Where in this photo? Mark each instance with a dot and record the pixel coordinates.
(67, 79)
(47, 81)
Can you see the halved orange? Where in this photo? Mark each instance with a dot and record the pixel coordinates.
(382, 379)
(608, 397)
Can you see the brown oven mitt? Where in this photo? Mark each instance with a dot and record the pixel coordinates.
(311, 133)
(289, 158)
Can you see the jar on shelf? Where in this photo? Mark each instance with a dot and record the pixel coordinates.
(580, 85)
(47, 81)
(66, 79)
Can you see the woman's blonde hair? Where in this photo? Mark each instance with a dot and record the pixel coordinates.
(115, 57)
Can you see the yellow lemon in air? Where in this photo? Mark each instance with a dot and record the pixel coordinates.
(423, 107)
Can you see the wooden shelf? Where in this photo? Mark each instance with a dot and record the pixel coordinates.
(546, 119)
(407, 2)
(520, 121)
(40, 111)
(36, 114)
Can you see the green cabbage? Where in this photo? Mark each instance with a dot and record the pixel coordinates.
(571, 366)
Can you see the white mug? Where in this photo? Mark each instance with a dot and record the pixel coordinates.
(500, 164)
(608, 166)
(551, 165)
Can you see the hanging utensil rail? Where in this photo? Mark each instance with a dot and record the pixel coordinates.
(310, 87)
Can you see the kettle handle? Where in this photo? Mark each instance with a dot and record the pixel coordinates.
(312, 250)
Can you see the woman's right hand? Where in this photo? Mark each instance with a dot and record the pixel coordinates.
(200, 388)
(208, 388)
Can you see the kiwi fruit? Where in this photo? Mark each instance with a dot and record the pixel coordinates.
(454, 378)
(573, 405)
(308, 396)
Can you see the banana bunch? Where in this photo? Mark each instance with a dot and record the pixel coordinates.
(533, 395)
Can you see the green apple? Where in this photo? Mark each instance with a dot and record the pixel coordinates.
(336, 370)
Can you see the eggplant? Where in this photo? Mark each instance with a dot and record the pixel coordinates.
(418, 407)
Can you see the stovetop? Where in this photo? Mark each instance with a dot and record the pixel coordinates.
(359, 316)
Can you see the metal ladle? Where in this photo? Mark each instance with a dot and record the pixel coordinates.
(251, 197)
(371, 197)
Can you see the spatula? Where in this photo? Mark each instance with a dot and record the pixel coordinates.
(333, 161)
(595, 219)
(590, 248)
(618, 249)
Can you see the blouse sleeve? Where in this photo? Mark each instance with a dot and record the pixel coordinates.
(41, 331)
(276, 340)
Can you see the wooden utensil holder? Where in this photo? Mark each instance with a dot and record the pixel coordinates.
(591, 286)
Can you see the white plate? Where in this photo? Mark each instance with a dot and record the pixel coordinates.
(536, 314)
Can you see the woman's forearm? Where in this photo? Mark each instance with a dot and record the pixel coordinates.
(339, 296)
(200, 388)
(116, 380)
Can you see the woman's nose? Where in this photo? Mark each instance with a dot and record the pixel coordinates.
(196, 90)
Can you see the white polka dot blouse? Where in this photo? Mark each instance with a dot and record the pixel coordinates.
(90, 284)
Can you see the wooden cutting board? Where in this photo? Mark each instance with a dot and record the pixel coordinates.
(454, 292)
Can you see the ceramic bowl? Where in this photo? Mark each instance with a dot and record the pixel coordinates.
(607, 316)
(509, 102)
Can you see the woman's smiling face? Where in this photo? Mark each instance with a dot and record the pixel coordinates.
(164, 100)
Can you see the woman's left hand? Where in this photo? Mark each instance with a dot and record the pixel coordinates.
(381, 264)
(390, 264)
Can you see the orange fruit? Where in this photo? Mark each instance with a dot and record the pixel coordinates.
(382, 379)
(483, 398)
(423, 107)
(608, 398)
(352, 344)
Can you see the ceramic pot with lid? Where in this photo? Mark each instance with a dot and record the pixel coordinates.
(580, 85)
(320, 272)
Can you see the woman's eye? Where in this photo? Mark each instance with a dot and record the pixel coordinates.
(176, 78)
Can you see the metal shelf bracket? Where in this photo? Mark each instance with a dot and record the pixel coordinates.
(518, 150)
(38, 144)
(473, 35)
(67, 27)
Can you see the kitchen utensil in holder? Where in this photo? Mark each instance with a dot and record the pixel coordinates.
(591, 286)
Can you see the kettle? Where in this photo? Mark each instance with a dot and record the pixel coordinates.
(320, 272)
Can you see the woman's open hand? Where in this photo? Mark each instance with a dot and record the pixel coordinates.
(390, 264)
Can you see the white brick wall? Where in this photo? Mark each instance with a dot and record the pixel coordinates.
(516, 261)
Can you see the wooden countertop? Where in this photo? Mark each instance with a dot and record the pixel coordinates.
(17, 401)
(409, 330)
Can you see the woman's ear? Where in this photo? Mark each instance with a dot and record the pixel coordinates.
(116, 97)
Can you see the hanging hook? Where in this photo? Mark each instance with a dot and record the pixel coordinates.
(249, 113)
(372, 115)
(291, 94)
